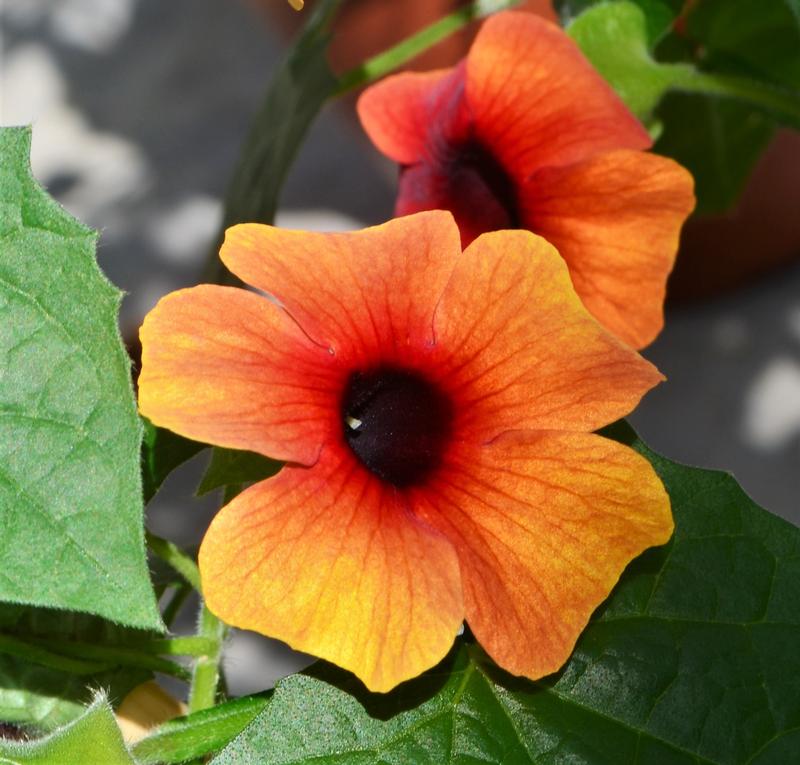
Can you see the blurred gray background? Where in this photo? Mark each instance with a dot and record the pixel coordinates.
(139, 108)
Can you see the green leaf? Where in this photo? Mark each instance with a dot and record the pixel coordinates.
(718, 141)
(714, 123)
(65, 625)
(613, 36)
(69, 637)
(95, 737)
(759, 39)
(232, 467)
(43, 698)
(196, 735)
(70, 486)
(692, 659)
(162, 452)
(42, 656)
(659, 15)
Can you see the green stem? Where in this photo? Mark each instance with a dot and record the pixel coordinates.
(781, 102)
(58, 654)
(284, 119)
(175, 603)
(114, 656)
(386, 62)
(193, 645)
(37, 654)
(172, 555)
(205, 678)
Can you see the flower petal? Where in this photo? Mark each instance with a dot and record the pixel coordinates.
(330, 560)
(517, 349)
(363, 294)
(616, 220)
(229, 367)
(544, 524)
(396, 113)
(538, 102)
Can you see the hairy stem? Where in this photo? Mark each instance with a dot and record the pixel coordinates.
(173, 556)
(205, 678)
(176, 601)
(192, 645)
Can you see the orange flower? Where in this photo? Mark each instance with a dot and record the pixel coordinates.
(435, 409)
(525, 134)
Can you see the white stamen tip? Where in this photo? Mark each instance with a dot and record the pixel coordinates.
(353, 422)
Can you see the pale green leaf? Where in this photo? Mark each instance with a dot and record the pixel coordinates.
(70, 487)
(613, 36)
(92, 739)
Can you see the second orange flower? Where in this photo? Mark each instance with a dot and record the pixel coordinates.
(524, 133)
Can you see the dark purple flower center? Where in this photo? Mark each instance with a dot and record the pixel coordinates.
(484, 188)
(397, 423)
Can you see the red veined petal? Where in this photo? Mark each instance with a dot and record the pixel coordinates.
(616, 220)
(537, 101)
(397, 113)
(331, 561)
(229, 367)
(544, 524)
(364, 294)
(517, 349)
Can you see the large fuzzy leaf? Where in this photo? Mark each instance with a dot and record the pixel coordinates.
(70, 487)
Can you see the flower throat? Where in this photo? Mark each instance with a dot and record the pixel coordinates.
(486, 182)
(397, 423)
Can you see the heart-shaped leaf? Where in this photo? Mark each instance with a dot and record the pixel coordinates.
(70, 486)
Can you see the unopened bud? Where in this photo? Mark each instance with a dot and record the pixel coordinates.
(145, 707)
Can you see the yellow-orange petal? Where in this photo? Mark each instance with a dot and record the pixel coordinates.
(231, 368)
(364, 294)
(330, 560)
(544, 524)
(537, 101)
(616, 220)
(517, 349)
(396, 113)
